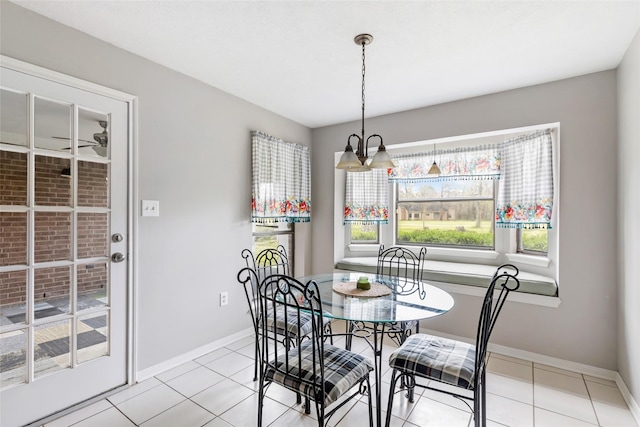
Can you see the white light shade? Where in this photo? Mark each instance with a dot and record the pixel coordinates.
(434, 169)
(381, 160)
(348, 160)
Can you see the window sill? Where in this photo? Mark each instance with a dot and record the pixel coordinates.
(538, 261)
(523, 298)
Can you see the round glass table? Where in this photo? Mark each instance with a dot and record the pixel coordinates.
(407, 301)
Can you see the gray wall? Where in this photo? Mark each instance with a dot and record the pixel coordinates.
(628, 227)
(194, 157)
(583, 327)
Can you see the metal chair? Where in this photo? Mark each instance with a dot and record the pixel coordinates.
(404, 268)
(317, 370)
(453, 362)
(269, 261)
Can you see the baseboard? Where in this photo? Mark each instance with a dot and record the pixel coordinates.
(626, 394)
(558, 363)
(193, 354)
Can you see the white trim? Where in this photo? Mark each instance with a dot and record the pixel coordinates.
(190, 355)
(628, 397)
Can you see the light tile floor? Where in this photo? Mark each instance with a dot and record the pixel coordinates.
(217, 390)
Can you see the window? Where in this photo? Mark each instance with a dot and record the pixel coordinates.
(533, 241)
(446, 213)
(267, 236)
(364, 233)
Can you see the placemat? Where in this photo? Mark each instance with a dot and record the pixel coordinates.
(350, 289)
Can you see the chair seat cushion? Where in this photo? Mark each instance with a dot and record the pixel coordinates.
(342, 370)
(441, 359)
(290, 322)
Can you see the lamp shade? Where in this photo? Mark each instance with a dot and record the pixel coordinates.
(434, 169)
(348, 160)
(382, 160)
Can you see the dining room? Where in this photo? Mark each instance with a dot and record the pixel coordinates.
(187, 150)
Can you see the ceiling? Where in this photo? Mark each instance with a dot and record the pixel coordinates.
(298, 58)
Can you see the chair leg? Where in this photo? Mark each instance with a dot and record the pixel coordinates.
(307, 406)
(260, 400)
(256, 361)
(370, 403)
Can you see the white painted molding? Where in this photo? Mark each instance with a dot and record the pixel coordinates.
(193, 354)
(628, 397)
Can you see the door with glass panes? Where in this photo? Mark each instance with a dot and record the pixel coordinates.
(63, 246)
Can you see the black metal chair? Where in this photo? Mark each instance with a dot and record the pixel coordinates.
(404, 270)
(267, 262)
(453, 362)
(317, 370)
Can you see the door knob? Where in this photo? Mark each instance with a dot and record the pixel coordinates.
(117, 257)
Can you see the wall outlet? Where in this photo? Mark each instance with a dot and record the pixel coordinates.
(224, 298)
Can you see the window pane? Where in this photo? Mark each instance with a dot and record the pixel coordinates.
(13, 358)
(93, 184)
(269, 236)
(445, 190)
(13, 176)
(93, 285)
(93, 334)
(534, 240)
(53, 186)
(465, 223)
(13, 126)
(52, 348)
(52, 236)
(13, 238)
(52, 125)
(364, 233)
(13, 297)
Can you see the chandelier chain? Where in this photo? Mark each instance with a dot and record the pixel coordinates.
(363, 73)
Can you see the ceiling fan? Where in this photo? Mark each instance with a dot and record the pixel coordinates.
(100, 139)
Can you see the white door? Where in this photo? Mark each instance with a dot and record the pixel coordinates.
(63, 222)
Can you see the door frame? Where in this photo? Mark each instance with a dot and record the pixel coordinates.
(132, 189)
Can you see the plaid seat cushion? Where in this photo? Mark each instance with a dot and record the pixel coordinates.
(440, 359)
(291, 322)
(342, 370)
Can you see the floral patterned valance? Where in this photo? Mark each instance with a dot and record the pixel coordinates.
(281, 182)
(525, 193)
(482, 162)
(367, 197)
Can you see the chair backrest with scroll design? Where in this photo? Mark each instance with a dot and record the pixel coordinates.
(403, 266)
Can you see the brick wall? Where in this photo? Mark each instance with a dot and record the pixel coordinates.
(52, 229)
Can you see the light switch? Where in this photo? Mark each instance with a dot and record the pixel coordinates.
(150, 208)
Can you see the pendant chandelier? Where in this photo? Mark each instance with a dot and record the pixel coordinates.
(357, 162)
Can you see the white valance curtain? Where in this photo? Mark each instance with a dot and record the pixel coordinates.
(472, 163)
(367, 197)
(525, 193)
(281, 181)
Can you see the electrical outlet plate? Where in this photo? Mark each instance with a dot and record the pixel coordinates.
(224, 298)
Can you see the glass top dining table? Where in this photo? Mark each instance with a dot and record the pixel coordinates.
(407, 301)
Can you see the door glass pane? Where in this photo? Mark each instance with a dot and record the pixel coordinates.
(52, 348)
(14, 125)
(52, 125)
(93, 280)
(53, 186)
(13, 297)
(93, 134)
(93, 184)
(13, 358)
(13, 178)
(52, 236)
(13, 238)
(93, 336)
(52, 291)
(93, 235)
